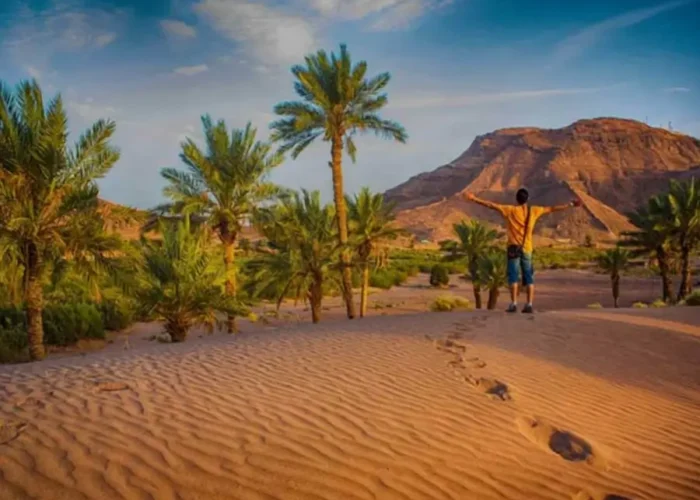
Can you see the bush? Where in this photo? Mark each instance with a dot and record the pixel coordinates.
(595, 305)
(439, 276)
(387, 278)
(640, 305)
(13, 344)
(65, 324)
(447, 303)
(658, 303)
(693, 299)
(117, 314)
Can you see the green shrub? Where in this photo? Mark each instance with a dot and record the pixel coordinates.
(447, 303)
(439, 276)
(693, 299)
(640, 305)
(65, 324)
(117, 314)
(387, 278)
(658, 303)
(595, 305)
(13, 344)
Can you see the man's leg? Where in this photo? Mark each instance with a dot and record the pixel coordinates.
(529, 280)
(513, 280)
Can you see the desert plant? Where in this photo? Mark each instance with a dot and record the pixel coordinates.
(48, 194)
(693, 299)
(659, 303)
(474, 239)
(595, 305)
(301, 232)
(439, 276)
(448, 303)
(183, 281)
(222, 186)
(614, 262)
(371, 223)
(640, 305)
(491, 274)
(337, 102)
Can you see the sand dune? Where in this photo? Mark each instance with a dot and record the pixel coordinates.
(474, 405)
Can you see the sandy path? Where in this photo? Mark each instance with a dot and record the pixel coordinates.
(368, 409)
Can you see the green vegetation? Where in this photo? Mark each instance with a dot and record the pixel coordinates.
(491, 274)
(657, 304)
(564, 258)
(439, 277)
(337, 102)
(693, 299)
(614, 262)
(448, 303)
(595, 305)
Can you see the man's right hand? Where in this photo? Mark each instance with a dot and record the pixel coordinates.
(469, 196)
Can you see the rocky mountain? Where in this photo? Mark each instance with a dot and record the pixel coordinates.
(613, 165)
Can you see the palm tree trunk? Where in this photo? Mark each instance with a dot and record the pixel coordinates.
(475, 284)
(477, 295)
(177, 329)
(666, 280)
(229, 256)
(34, 298)
(316, 299)
(342, 217)
(493, 298)
(365, 289)
(616, 289)
(686, 281)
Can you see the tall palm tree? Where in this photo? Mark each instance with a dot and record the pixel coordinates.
(683, 209)
(474, 239)
(371, 222)
(48, 194)
(653, 238)
(183, 282)
(11, 275)
(614, 262)
(301, 232)
(491, 274)
(222, 186)
(337, 102)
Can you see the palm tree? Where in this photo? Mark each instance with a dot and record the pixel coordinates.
(475, 239)
(682, 205)
(491, 274)
(222, 186)
(11, 275)
(183, 281)
(337, 102)
(614, 262)
(301, 232)
(48, 194)
(652, 238)
(371, 222)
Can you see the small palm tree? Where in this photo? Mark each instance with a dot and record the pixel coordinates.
(222, 186)
(337, 102)
(183, 281)
(614, 262)
(653, 238)
(301, 232)
(48, 194)
(371, 223)
(491, 274)
(682, 207)
(475, 239)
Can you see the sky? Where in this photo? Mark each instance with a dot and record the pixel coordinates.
(460, 68)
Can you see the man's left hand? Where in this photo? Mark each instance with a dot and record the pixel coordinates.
(576, 203)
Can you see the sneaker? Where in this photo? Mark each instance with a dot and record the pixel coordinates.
(512, 308)
(528, 309)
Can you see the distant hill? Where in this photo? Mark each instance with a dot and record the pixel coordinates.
(613, 165)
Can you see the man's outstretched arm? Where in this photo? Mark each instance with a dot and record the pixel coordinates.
(486, 203)
(558, 208)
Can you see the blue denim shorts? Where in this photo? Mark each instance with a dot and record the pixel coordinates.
(524, 264)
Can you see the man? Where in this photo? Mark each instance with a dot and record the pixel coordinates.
(520, 241)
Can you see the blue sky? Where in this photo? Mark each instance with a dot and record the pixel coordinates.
(460, 68)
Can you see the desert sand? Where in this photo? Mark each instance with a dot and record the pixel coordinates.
(566, 404)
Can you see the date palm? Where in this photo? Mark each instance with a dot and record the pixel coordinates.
(48, 195)
(371, 223)
(222, 186)
(301, 233)
(614, 262)
(337, 102)
(491, 274)
(474, 240)
(183, 281)
(652, 238)
(682, 209)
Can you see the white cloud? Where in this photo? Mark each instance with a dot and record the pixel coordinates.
(576, 44)
(272, 35)
(674, 90)
(384, 14)
(89, 111)
(106, 39)
(191, 70)
(33, 72)
(419, 101)
(177, 28)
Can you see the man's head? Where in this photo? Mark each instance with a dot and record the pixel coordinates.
(522, 196)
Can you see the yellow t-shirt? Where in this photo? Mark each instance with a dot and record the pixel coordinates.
(515, 217)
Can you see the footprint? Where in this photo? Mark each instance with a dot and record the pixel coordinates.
(475, 363)
(111, 386)
(565, 444)
(10, 429)
(490, 387)
(586, 495)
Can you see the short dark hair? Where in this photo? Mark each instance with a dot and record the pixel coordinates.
(522, 196)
